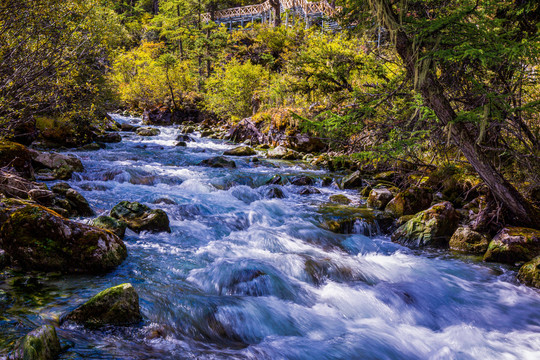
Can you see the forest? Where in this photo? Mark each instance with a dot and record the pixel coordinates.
(240, 166)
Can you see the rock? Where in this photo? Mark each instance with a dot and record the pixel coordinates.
(352, 181)
(184, 138)
(466, 240)
(283, 153)
(4, 259)
(71, 201)
(207, 132)
(22, 131)
(277, 180)
(240, 151)
(410, 202)
(118, 306)
(42, 197)
(529, 273)
(39, 344)
(12, 185)
(302, 180)
(108, 137)
(431, 227)
(92, 147)
(128, 127)
(387, 176)
(161, 115)
(305, 143)
(40, 239)
(109, 223)
(181, 144)
(139, 217)
(274, 192)
(147, 131)
(344, 219)
(219, 162)
(17, 159)
(62, 165)
(309, 190)
(379, 198)
(514, 244)
(340, 199)
(246, 130)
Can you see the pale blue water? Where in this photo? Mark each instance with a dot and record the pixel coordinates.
(231, 281)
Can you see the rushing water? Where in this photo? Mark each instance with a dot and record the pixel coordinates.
(243, 276)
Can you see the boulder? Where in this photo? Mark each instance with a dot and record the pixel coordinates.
(207, 132)
(340, 199)
(12, 185)
(410, 202)
(39, 344)
(343, 219)
(277, 180)
(514, 244)
(94, 146)
(71, 201)
(139, 217)
(529, 273)
(117, 227)
(42, 197)
(118, 306)
(246, 130)
(181, 144)
(17, 159)
(309, 190)
(240, 151)
(302, 180)
(379, 198)
(62, 165)
(184, 138)
(147, 131)
(305, 143)
(161, 115)
(467, 240)
(219, 162)
(39, 239)
(108, 137)
(128, 127)
(283, 153)
(431, 227)
(352, 181)
(274, 192)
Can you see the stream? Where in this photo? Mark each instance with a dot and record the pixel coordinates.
(245, 276)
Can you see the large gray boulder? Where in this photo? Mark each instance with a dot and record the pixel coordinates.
(514, 244)
(139, 217)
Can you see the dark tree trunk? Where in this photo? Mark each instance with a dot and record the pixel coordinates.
(277, 12)
(155, 7)
(433, 93)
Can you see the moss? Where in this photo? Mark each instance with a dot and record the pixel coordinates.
(17, 158)
(529, 273)
(340, 199)
(514, 244)
(40, 344)
(410, 202)
(469, 241)
(139, 217)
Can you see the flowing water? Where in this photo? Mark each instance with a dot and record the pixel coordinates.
(244, 276)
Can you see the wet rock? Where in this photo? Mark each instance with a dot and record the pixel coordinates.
(118, 306)
(139, 217)
(184, 138)
(109, 223)
(63, 166)
(309, 190)
(379, 198)
(352, 181)
(108, 137)
(340, 199)
(42, 197)
(92, 147)
(514, 244)
(302, 180)
(181, 144)
(16, 158)
(431, 227)
(467, 240)
(240, 151)
(128, 127)
(529, 273)
(39, 344)
(277, 180)
(344, 219)
(40, 239)
(147, 131)
(410, 202)
(71, 201)
(207, 132)
(219, 162)
(274, 192)
(283, 153)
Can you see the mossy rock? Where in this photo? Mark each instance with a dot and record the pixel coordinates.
(63, 166)
(340, 199)
(379, 198)
(352, 181)
(514, 244)
(283, 153)
(341, 219)
(71, 201)
(37, 238)
(240, 151)
(147, 131)
(302, 180)
(467, 240)
(39, 344)
(16, 158)
(109, 223)
(139, 217)
(274, 192)
(529, 273)
(118, 306)
(219, 162)
(431, 227)
(410, 202)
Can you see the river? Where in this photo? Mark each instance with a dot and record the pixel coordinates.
(244, 276)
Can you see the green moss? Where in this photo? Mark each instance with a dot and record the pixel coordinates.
(529, 273)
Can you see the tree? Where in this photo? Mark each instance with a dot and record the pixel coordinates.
(471, 61)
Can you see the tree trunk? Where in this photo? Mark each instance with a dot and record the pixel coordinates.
(155, 7)
(277, 12)
(433, 93)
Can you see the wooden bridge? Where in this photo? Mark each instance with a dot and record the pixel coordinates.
(265, 13)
